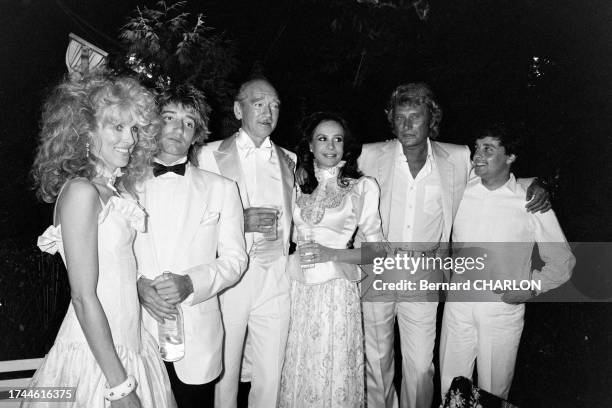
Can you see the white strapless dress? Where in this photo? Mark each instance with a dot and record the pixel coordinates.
(70, 362)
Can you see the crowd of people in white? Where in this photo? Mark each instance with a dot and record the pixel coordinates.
(151, 218)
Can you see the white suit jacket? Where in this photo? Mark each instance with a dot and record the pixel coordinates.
(222, 157)
(211, 250)
(452, 161)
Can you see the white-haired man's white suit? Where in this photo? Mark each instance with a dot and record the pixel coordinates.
(260, 301)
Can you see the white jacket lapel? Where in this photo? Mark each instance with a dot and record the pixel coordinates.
(446, 171)
(287, 167)
(228, 162)
(386, 160)
(197, 199)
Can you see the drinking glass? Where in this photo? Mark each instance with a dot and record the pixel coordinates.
(305, 236)
(272, 233)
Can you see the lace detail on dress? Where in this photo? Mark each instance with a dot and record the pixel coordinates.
(128, 208)
(327, 195)
(324, 360)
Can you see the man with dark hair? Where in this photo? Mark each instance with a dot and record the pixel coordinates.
(483, 324)
(421, 182)
(193, 100)
(193, 248)
(260, 301)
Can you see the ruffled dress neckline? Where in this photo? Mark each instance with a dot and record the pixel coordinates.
(127, 208)
(323, 174)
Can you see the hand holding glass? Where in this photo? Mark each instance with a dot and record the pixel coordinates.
(271, 231)
(305, 237)
(263, 220)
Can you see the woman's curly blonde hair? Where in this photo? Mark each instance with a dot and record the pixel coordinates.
(73, 111)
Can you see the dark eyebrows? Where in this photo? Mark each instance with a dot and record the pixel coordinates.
(487, 144)
(331, 136)
(188, 115)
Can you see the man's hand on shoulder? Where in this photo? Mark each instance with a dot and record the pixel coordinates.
(538, 198)
(152, 302)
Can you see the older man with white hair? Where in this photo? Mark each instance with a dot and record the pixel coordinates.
(259, 303)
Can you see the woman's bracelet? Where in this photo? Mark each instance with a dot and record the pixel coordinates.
(121, 390)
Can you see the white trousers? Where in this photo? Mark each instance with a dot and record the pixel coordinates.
(417, 328)
(488, 332)
(259, 302)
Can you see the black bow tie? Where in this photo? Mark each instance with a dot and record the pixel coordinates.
(159, 169)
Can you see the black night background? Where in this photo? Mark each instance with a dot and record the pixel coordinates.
(544, 63)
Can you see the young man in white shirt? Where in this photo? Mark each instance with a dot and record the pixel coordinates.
(483, 324)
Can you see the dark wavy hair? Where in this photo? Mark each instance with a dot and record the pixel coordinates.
(416, 94)
(190, 98)
(305, 158)
(75, 109)
(510, 136)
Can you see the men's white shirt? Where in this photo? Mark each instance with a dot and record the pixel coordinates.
(166, 196)
(499, 217)
(262, 178)
(416, 202)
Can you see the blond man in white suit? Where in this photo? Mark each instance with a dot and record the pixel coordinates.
(195, 239)
(259, 303)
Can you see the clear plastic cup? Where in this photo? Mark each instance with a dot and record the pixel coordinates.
(272, 233)
(305, 237)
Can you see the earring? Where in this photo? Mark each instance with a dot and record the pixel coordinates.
(87, 150)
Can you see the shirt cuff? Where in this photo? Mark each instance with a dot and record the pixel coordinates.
(189, 299)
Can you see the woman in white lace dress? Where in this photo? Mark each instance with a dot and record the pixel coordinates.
(324, 357)
(93, 128)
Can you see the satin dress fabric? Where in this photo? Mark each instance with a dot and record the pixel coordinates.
(70, 362)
